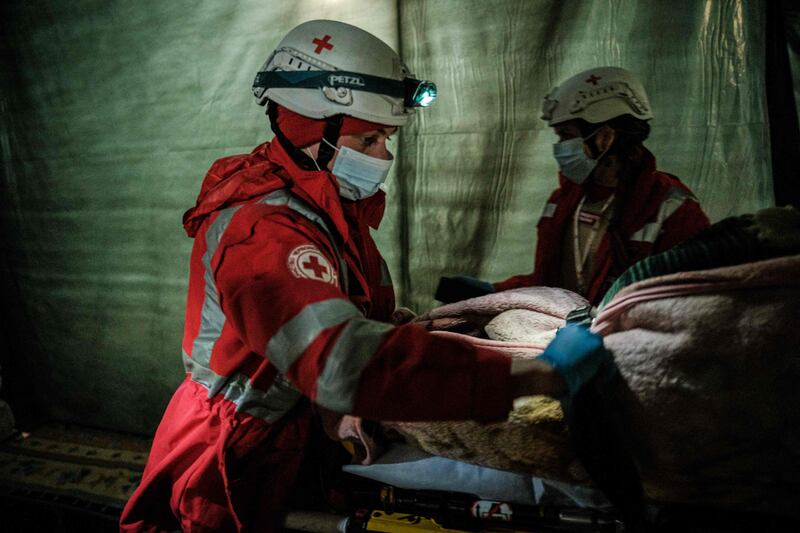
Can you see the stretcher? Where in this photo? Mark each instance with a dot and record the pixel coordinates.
(411, 511)
(409, 490)
(397, 510)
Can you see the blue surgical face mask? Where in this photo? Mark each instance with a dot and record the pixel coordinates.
(572, 159)
(360, 175)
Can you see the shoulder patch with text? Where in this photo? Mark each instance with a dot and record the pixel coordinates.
(307, 262)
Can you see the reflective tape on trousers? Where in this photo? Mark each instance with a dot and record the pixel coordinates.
(269, 405)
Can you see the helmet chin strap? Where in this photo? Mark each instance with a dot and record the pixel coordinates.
(333, 126)
(331, 136)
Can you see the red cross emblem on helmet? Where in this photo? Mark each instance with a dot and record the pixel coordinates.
(322, 44)
(307, 262)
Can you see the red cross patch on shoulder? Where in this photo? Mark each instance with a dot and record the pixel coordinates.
(307, 262)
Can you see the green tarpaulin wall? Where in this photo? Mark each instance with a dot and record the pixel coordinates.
(111, 112)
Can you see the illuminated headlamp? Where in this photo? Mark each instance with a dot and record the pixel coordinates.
(415, 93)
(419, 93)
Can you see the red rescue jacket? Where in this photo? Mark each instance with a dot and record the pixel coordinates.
(287, 306)
(659, 213)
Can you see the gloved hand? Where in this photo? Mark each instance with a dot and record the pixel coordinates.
(577, 354)
(485, 286)
(457, 288)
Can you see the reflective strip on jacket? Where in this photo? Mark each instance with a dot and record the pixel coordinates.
(659, 213)
(288, 302)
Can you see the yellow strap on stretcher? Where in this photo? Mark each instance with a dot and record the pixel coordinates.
(407, 523)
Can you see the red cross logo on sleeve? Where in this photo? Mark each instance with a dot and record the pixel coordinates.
(307, 262)
(322, 44)
(594, 79)
(315, 266)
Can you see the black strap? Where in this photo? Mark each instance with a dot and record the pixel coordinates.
(331, 134)
(314, 79)
(298, 156)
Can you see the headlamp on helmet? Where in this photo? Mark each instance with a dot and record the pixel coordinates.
(415, 93)
(419, 93)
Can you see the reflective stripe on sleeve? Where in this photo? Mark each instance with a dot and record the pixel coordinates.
(269, 405)
(212, 319)
(549, 210)
(292, 339)
(337, 385)
(649, 232)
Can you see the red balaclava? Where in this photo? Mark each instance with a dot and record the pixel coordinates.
(303, 131)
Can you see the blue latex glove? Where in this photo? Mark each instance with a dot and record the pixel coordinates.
(577, 354)
(475, 282)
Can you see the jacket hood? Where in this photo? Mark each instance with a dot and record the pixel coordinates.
(230, 180)
(237, 178)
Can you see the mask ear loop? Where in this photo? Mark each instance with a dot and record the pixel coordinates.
(330, 137)
(333, 146)
(307, 151)
(604, 152)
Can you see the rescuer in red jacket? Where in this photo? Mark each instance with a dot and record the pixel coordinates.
(612, 207)
(289, 300)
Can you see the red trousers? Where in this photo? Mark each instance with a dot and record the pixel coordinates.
(211, 469)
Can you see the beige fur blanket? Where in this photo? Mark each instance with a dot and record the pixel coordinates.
(533, 440)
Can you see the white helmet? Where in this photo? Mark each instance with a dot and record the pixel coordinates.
(325, 67)
(597, 95)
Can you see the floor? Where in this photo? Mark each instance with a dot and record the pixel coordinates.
(64, 478)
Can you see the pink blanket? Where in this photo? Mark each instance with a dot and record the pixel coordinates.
(711, 366)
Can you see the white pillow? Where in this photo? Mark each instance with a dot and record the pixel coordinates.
(406, 467)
